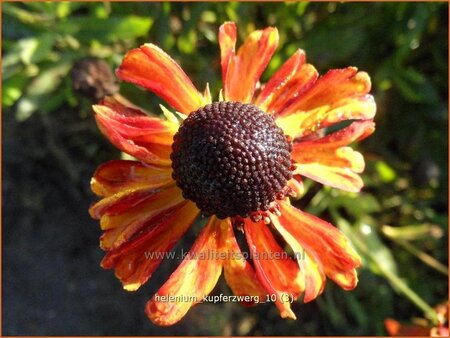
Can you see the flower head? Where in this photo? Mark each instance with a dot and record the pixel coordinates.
(238, 161)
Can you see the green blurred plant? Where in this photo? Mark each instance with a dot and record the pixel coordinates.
(42, 41)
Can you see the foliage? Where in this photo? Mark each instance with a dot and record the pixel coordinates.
(398, 223)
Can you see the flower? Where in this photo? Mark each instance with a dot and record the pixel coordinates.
(239, 161)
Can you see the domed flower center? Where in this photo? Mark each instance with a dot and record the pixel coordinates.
(231, 159)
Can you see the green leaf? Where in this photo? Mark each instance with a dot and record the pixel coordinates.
(385, 172)
(35, 49)
(25, 16)
(48, 80)
(378, 251)
(12, 89)
(108, 30)
(187, 42)
(42, 93)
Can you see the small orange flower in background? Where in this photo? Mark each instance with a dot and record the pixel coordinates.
(238, 161)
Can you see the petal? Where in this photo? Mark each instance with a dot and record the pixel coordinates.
(151, 68)
(238, 272)
(334, 86)
(147, 138)
(311, 269)
(302, 123)
(136, 260)
(336, 177)
(244, 69)
(324, 243)
(277, 272)
(123, 221)
(115, 176)
(397, 329)
(296, 185)
(227, 42)
(122, 201)
(194, 278)
(289, 82)
(356, 131)
(325, 160)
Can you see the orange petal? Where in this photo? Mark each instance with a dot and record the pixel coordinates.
(151, 68)
(303, 123)
(227, 42)
(326, 161)
(194, 278)
(296, 185)
(336, 177)
(123, 219)
(334, 86)
(136, 260)
(238, 272)
(277, 272)
(244, 69)
(121, 202)
(147, 138)
(324, 243)
(289, 82)
(115, 176)
(356, 131)
(395, 328)
(311, 269)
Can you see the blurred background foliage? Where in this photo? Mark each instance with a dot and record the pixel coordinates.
(399, 223)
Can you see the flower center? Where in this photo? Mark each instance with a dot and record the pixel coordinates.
(231, 159)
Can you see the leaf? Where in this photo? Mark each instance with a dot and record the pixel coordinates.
(44, 103)
(414, 86)
(377, 250)
(12, 89)
(187, 42)
(385, 172)
(42, 93)
(35, 49)
(24, 16)
(110, 29)
(341, 43)
(49, 79)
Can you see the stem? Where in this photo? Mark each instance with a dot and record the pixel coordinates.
(391, 277)
(424, 257)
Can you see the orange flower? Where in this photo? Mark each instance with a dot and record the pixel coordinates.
(238, 161)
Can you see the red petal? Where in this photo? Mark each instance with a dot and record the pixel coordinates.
(136, 260)
(121, 202)
(115, 176)
(239, 273)
(194, 278)
(123, 220)
(244, 69)
(324, 243)
(290, 81)
(356, 131)
(151, 68)
(147, 138)
(276, 271)
(227, 42)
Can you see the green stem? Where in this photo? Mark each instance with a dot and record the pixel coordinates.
(396, 281)
(424, 257)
